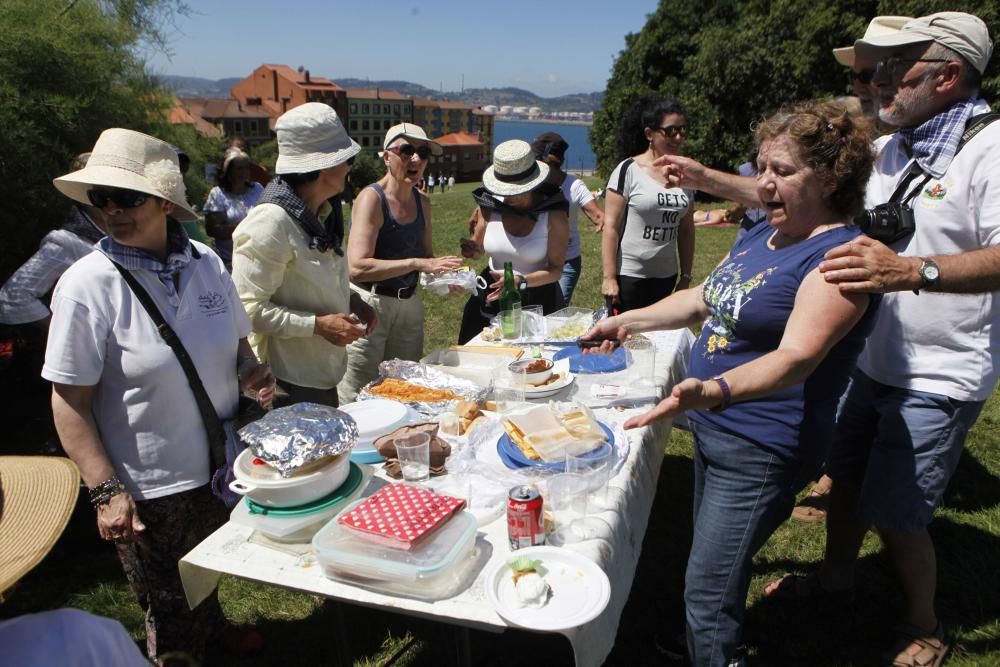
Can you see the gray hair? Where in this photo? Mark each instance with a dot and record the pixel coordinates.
(970, 78)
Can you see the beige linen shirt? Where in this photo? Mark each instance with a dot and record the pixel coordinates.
(283, 285)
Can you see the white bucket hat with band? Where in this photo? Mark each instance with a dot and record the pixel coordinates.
(963, 33)
(310, 138)
(37, 497)
(880, 25)
(133, 161)
(412, 132)
(515, 169)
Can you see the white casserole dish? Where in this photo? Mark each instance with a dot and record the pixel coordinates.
(272, 490)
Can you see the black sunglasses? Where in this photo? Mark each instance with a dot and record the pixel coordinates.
(408, 151)
(101, 197)
(673, 131)
(864, 77)
(897, 66)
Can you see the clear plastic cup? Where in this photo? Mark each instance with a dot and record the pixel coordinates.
(414, 454)
(511, 323)
(508, 390)
(640, 354)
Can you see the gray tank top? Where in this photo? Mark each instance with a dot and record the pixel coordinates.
(399, 241)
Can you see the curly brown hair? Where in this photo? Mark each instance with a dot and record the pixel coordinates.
(836, 143)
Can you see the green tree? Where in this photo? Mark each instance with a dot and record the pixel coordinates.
(366, 170)
(732, 62)
(68, 70)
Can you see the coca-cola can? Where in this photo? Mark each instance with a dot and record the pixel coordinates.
(525, 521)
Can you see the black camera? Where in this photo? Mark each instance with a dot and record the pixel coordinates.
(887, 222)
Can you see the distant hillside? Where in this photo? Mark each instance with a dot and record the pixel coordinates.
(192, 86)
(187, 86)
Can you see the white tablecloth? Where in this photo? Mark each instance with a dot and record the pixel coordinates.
(230, 549)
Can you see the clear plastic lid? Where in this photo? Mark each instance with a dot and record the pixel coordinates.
(342, 549)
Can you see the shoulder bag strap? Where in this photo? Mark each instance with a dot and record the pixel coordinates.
(213, 425)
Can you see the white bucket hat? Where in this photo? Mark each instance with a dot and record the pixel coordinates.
(963, 33)
(310, 138)
(410, 131)
(880, 25)
(37, 497)
(133, 161)
(515, 169)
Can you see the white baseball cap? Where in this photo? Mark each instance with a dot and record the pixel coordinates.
(880, 25)
(963, 33)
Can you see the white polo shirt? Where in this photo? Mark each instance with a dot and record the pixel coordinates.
(144, 408)
(937, 342)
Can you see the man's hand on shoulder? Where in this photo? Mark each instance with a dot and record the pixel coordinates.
(867, 265)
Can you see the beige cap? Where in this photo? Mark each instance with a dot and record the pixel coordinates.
(963, 33)
(310, 138)
(880, 25)
(410, 131)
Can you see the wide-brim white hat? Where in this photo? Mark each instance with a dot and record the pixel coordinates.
(515, 170)
(310, 138)
(880, 25)
(413, 133)
(134, 161)
(37, 497)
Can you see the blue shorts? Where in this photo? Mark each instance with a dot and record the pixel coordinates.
(900, 447)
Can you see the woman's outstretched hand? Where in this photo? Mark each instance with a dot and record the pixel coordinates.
(686, 395)
(609, 332)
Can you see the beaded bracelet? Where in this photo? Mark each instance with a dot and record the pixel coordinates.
(102, 494)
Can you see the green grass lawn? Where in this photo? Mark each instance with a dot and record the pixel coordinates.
(83, 572)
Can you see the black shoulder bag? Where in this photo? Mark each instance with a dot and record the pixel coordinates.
(221, 456)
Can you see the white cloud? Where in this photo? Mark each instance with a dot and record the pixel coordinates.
(552, 78)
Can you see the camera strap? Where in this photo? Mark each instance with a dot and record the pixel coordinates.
(974, 126)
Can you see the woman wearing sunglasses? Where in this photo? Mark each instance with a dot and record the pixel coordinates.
(648, 245)
(289, 265)
(516, 220)
(389, 245)
(123, 407)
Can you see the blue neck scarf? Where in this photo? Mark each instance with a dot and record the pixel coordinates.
(179, 255)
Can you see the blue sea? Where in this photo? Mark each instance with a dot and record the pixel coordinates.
(579, 155)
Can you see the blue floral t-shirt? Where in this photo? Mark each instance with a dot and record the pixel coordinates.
(750, 298)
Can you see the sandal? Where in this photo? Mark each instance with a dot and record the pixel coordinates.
(916, 648)
(806, 587)
(813, 507)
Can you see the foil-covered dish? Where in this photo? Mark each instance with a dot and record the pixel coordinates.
(427, 390)
(290, 437)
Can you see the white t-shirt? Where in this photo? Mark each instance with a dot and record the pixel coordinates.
(145, 411)
(653, 214)
(937, 342)
(578, 195)
(527, 253)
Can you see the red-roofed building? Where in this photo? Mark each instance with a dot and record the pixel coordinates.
(274, 89)
(227, 117)
(465, 157)
(441, 118)
(372, 111)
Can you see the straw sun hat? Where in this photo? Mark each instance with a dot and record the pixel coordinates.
(310, 138)
(37, 497)
(133, 161)
(515, 170)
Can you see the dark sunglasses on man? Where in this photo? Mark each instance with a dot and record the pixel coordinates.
(407, 151)
(673, 131)
(864, 77)
(122, 198)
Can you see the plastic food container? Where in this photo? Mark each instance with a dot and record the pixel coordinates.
(375, 418)
(437, 569)
(298, 524)
(267, 486)
(569, 323)
(473, 366)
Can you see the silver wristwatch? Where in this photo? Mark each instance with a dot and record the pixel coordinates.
(930, 274)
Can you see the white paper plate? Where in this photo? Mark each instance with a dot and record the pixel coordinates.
(580, 590)
(550, 389)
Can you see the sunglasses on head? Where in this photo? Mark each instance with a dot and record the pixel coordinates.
(101, 197)
(409, 150)
(673, 131)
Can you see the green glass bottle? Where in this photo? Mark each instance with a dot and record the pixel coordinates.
(510, 304)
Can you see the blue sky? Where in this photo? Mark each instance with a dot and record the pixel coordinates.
(548, 47)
